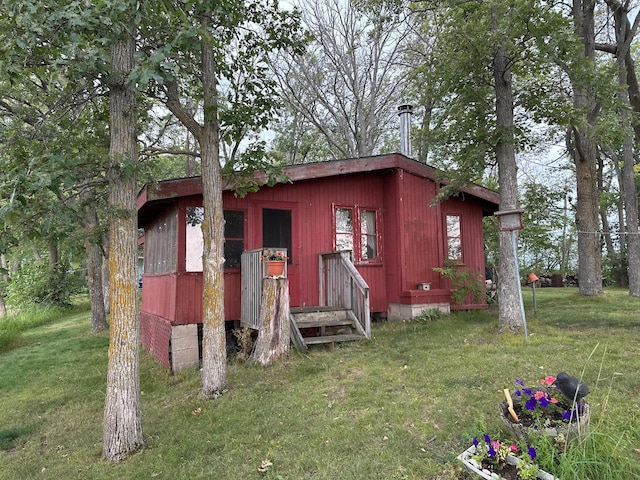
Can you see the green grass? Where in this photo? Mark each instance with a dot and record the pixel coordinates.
(400, 406)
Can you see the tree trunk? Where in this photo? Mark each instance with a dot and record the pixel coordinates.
(122, 418)
(4, 279)
(629, 86)
(615, 257)
(273, 335)
(509, 306)
(106, 276)
(584, 153)
(53, 253)
(214, 352)
(94, 270)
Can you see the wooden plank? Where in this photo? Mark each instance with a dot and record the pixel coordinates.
(296, 336)
(321, 322)
(333, 338)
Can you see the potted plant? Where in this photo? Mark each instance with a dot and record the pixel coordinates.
(543, 409)
(492, 459)
(275, 261)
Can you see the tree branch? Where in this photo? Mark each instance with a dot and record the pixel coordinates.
(173, 104)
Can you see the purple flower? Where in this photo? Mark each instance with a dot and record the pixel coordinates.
(527, 391)
(518, 393)
(532, 453)
(492, 451)
(519, 382)
(487, 438)
(531, 404)
(475, 442)
(544, 402)
(566, 415)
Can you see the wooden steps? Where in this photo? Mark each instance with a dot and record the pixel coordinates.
(319, 325)
(333, 338)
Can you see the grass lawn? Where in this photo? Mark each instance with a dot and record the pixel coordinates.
(400, 406)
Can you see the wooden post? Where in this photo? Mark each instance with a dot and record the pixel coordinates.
(273, 334)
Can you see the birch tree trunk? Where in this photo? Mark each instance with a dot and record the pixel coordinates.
(122, 418)
(273, 335)
(214, 352)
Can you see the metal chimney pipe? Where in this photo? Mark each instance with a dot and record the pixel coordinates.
(404, 112)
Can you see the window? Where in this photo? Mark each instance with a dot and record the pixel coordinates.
(454, 238)
(351, 223)
(344, 229)
(233, 241)
(369, 235)
(160, 245)
(233, 238)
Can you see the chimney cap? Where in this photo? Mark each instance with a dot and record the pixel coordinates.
(405, 108)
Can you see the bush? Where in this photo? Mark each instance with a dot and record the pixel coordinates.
(464, 282)
(43, 284)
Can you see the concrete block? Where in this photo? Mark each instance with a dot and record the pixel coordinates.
(184, 347)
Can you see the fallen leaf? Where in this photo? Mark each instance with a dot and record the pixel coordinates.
(196, 412)
(436, 426)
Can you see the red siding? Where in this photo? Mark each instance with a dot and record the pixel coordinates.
(312, 203)
(159, 295)
(411, 238)
(421, 233)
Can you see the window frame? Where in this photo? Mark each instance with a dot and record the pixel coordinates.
(243, 239)
(357, 233)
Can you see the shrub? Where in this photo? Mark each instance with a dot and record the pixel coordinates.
(43, 284)
(464, 281)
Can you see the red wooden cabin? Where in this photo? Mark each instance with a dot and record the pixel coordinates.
(378, 207)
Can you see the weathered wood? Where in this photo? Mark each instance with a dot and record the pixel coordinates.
(328, 318)
(296, 336)
(274, 331)
(341, 285)
(333, 338)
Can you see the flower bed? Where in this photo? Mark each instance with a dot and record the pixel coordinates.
(495, 460)
(544, 410)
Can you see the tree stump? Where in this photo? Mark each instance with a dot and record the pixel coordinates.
(273, 333)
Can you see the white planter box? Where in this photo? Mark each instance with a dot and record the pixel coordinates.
(472, 466)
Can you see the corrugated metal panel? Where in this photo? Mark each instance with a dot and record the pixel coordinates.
(251, 268)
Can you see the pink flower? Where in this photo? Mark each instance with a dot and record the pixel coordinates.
(553, 400)
(539, 395)
(513, 448)
(548, 380)
(495, 444)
